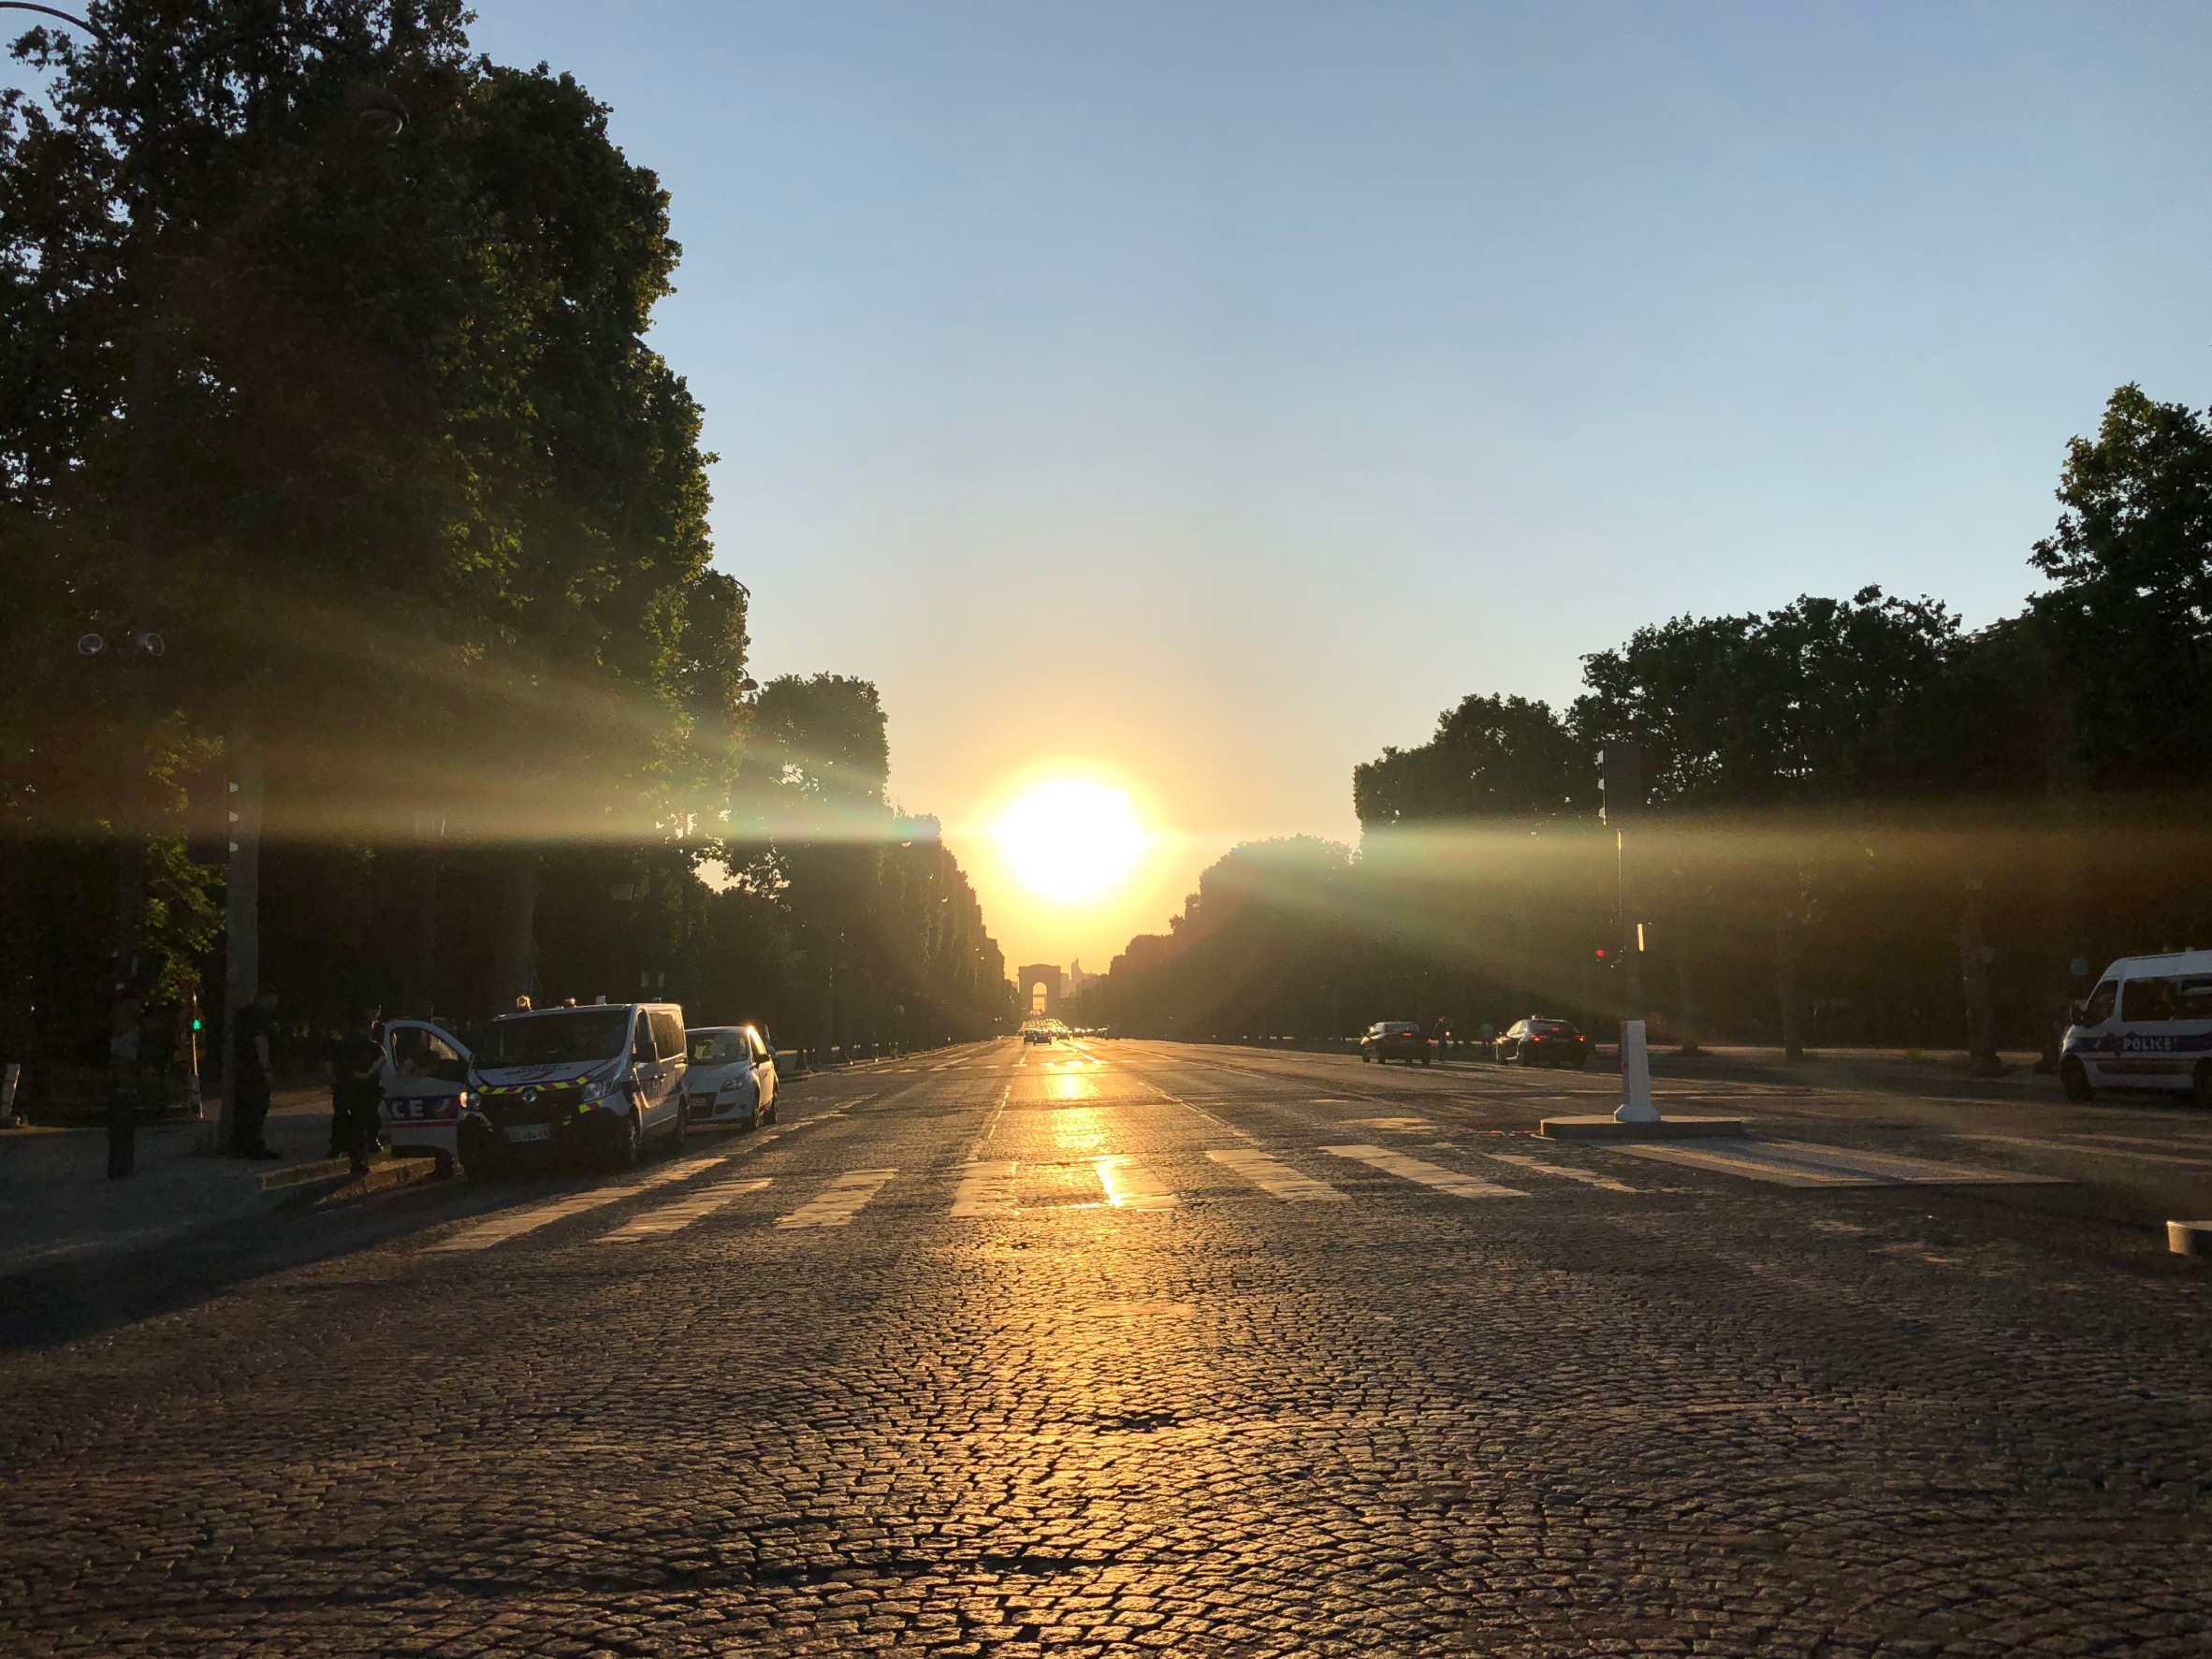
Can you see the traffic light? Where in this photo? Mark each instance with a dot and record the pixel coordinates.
(1619, 781)
(1601, 952)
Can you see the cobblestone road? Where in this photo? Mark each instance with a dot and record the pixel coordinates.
(1028, 1351)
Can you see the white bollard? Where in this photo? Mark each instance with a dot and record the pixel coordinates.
(1636, 1077)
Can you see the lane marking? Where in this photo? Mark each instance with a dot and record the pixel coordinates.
(840, 1201)
(515, 1223)
(1587, 1177)
(1129, 1186)
(1272, 1175)
(673, 1218)
(985, 1189)
(1428, 1174)
(1800, 1163)
(2145, 1158)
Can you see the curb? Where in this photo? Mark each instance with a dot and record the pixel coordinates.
(1665, 1128)
(2190, 1237)
(333, 1182)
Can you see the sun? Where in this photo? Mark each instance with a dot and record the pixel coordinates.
(1071, 838)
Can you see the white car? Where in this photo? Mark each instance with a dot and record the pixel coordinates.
(732, 1077)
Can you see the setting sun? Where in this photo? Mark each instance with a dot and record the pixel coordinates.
(1070, 839)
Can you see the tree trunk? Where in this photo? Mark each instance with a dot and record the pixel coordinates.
(515, 950)
(1685, 1001)
(1785, 986)
(242, 911)
(1974, 968)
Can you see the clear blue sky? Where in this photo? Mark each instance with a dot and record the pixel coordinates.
(1208, 394)
(1213, 392)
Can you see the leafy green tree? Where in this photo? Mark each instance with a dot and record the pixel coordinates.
(1491, 757)
(2129, 619)
(1802, 703)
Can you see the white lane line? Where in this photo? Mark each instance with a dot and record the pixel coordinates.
(1129, 1186)
(1800, 1163)
(840, 1201)
(2133, 1156)
(1272, 1175)
(1428, 1174)
(1587, 1177)
(515, 1223)
(985, 1189)
(675, 1216)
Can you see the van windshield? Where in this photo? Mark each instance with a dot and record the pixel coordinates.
(560, 1037)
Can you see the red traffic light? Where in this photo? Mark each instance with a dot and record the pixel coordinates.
(1601, 952)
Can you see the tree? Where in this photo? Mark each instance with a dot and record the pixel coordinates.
(2129, 620)
(1491, 757)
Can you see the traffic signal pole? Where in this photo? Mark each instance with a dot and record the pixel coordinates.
(1622, 780)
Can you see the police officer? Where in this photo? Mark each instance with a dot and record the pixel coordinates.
(357, 1089)
(249, 1072)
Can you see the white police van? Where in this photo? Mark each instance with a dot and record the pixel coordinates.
(2147, 1025)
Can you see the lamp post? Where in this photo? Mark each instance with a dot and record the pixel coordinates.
(1621, 780)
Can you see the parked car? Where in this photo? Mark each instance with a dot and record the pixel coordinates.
(1395, 1039)
(730, 1077)
(426, 1088)
(2147, 1026)
(1541, 1042)
(594, 1082)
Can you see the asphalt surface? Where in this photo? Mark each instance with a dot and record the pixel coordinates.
(1021, 1352)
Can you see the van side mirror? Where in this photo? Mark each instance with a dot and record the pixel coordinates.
(2077, 1012)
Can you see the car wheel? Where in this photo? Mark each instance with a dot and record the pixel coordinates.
(1424, 1059)
(2074, 1078)
(1365, 1056)
(770, 1120)
(1581, 1062)
(481, 1169)
(681, 1136)
(629, 1145)
(2200, 1084)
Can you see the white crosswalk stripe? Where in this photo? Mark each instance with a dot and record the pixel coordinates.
(1427, 1174)
(985, 1189)
(1272, 1175)
(1129, 1186)
(676, 1215)
(840, 1201)
(513, 1224)
(1587, 1177)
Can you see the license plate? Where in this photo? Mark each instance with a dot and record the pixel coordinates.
(528, 1132)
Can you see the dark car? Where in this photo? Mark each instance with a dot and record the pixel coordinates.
(1541, 1041)
(1396, 1040)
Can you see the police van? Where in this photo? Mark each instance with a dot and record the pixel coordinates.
(2147, 1025)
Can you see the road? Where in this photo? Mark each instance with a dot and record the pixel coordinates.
(1139, 1347)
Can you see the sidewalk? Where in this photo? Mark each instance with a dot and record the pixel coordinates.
(57, 1204)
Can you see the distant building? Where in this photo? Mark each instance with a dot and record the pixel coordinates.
(1040, 984)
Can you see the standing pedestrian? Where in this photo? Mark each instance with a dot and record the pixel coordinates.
(249, 1070)
(357, 1089)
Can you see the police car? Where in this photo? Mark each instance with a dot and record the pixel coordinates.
(2147, 1026)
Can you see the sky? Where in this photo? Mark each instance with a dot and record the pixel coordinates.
(1201, 395)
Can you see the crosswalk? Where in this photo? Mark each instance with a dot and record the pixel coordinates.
(681, 1195)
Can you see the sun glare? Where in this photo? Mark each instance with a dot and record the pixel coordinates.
(1071, 838)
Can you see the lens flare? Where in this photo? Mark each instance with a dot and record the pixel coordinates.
(1071, 838)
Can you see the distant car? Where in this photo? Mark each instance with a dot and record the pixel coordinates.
(1037, 1034)
(1541, 1041)
(1396, 1040)
(732, 1076)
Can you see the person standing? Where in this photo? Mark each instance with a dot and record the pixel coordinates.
(249, 1069)
(357, 1089)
